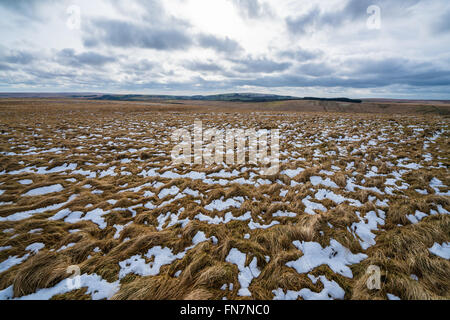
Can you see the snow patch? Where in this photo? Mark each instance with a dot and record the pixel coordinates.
(441, 250)
(246, 273)
(44, 190)
(336, 256)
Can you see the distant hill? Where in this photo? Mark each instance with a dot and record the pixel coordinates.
(244, 97)
(234, 97)
(49, 95)
(334, 99)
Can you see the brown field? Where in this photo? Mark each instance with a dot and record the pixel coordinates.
(368, 185)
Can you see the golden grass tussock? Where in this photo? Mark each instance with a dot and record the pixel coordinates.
(40, 271)
(401, 253)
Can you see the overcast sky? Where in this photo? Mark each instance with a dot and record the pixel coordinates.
(299, 47)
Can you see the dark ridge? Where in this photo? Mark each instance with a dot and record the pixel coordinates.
(232, 97)
(334, 99)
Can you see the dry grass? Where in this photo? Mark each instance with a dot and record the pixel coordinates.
(135, 137)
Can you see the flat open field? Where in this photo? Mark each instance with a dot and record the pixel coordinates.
(92, 184)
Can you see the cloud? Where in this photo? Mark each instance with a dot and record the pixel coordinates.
(224, 45)
(141, 66)
(129, 35)
(396, 70)
(301, 23)
(155, 45)
(29, 9)
(18, 57)
(442, 25)
(300, 55)
(68, 57)
(125, 34)
(203, 66)
(364, 66)
(354, 10)
(11, 60)
(55, 75)
(252, 8)
(363, 73)
(261, 65)
(315, 69)
(5, 67)
(146, 25)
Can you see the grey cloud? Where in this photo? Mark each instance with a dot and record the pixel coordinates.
(152, 13)
(5, 67)
(203, 66)
(353, 10)
(262, 65)
(26, 8)
(128, 35)
(225, 45)
(333, 81)
(252, 8)
(11, 60)
(357, 9)
(301, 23)
(397, 70)
(141, 66)
(153, 28)
(68, 57)
(35, 74)
(381, 67)
(442, 25)
(300, 54)
(133, 35)
(315, 69)
(365, 74)
(18, 57)
(149, 7)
